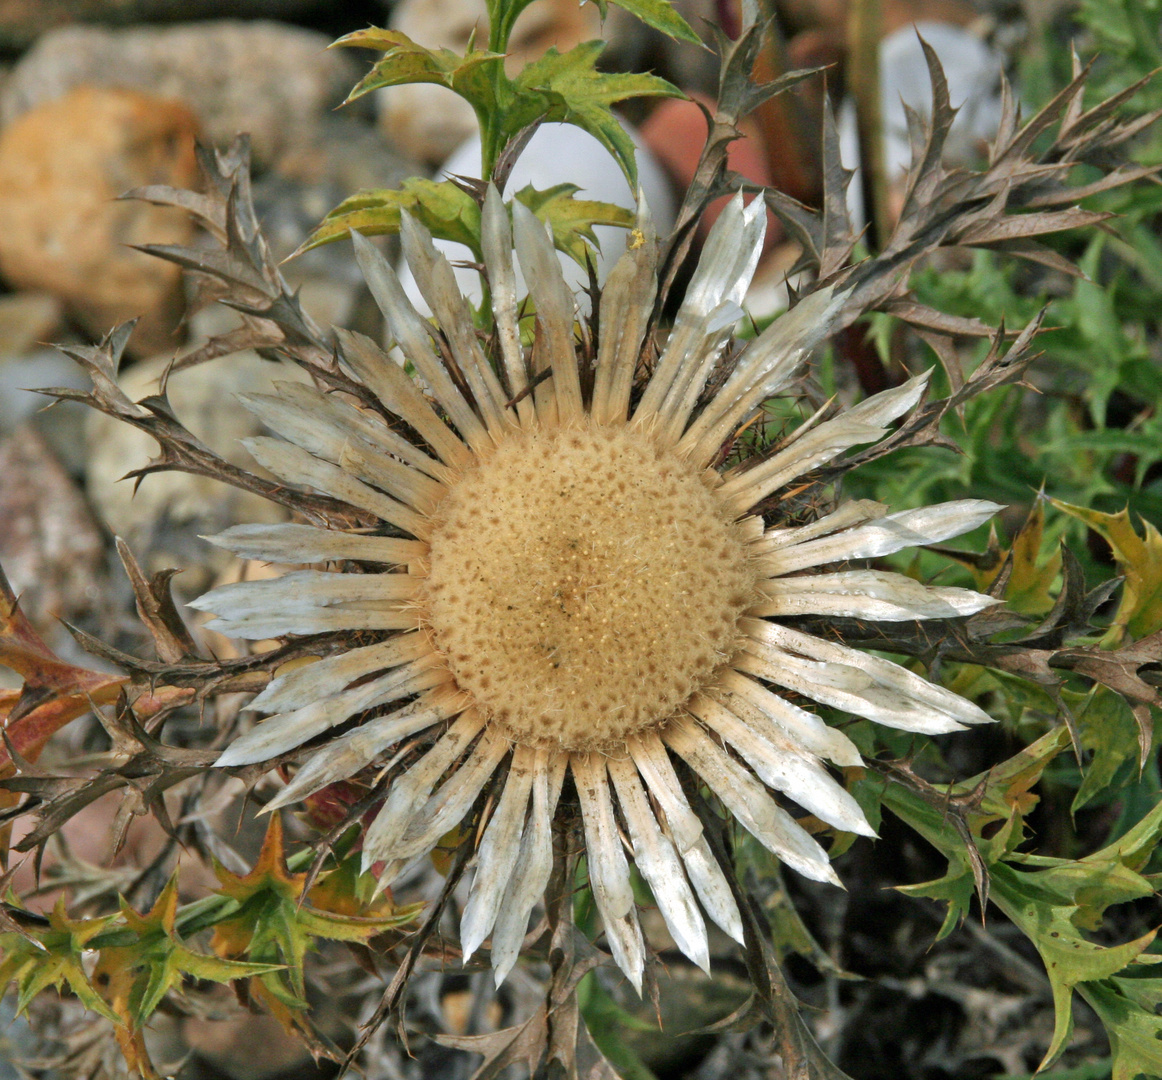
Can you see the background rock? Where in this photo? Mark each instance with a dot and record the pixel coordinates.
(342, 157)
(27, 319)
(60, 424)
(347, 155)
(51, 548)
(23, 21)
(270, 80)
(62, 165)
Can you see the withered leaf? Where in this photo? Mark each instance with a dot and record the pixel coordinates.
(524, 1044)
(156, 608)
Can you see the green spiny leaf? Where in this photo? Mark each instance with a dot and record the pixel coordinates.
(567, 87)
(1050, 903)
(274, 925)
(571, 219)
(1069, 958)
(446, 210)
(406, 61)
(1109, 730)
(660, 15)
(1129, 1011)
(1140, 559)
(136, 976)
(54, 958)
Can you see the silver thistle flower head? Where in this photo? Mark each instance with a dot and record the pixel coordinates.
(562, 582)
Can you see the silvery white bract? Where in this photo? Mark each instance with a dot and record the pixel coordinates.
(560, 582)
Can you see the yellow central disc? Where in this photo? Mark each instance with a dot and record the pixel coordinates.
(583, 585)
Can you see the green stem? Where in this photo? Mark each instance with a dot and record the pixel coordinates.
(489, 141)
(499, 31)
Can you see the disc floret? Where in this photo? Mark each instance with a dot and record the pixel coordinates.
(584, 583)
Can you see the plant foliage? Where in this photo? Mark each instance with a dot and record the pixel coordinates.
(1071, 661)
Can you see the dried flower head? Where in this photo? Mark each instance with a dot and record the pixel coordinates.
(570, 585)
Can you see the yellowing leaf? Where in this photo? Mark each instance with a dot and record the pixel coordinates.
(1008, 786)
(450, 213)
(406, 61)
(567, 87)
(1031, 578)
(444, 209)
(269, 873)
(572, 219)
(1139, 558)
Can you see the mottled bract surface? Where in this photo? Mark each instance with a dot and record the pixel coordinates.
(584, 584)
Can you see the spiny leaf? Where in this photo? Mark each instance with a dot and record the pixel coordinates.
(944, 818)
(1129, 1010)
(1068, 957)
(444, 208)
(157, 610)
(269, 873)
(659, 14)
(275, 925)
(136, 976)
(1139, 558)
(1052, 901)
(406, 61)
(55, 958)
(525, 1043)
(180, 449)
(571, 219)
(1108, 730)
(567, 87)
(450, 213)
(1031, 577)
(564, 87)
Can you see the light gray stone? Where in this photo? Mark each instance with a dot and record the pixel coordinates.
(51, 548)
(27, 318)
(23, 21)
(270, 80)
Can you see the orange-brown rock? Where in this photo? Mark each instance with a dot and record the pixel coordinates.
(62, 166)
